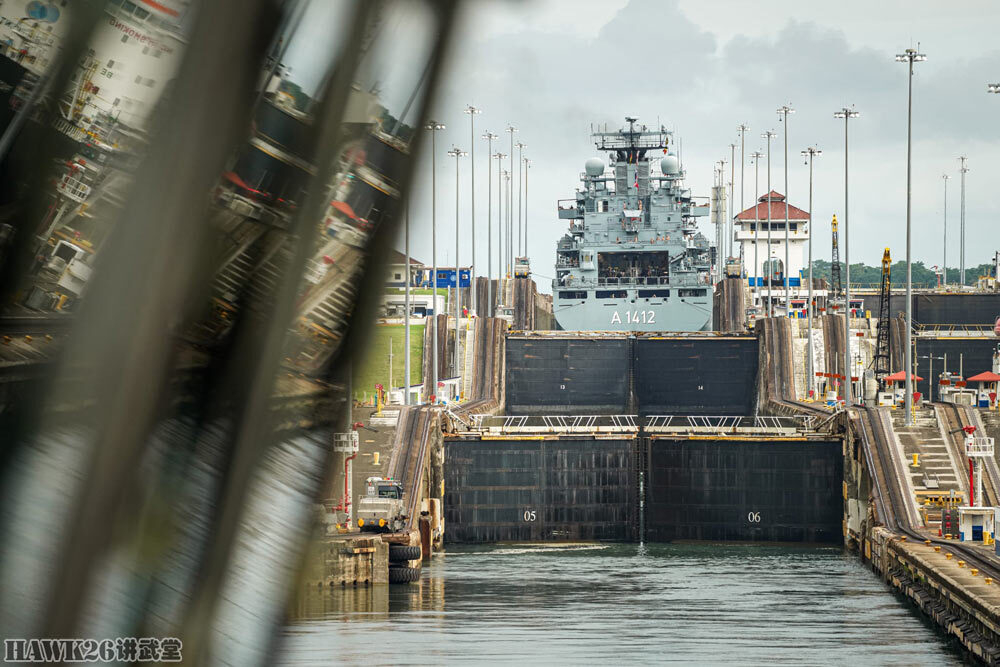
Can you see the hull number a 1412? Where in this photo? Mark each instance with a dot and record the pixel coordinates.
(634, 317)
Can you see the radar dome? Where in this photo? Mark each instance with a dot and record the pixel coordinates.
(594, 166)
(669, 165)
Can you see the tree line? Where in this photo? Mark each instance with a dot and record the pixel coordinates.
(923, 276)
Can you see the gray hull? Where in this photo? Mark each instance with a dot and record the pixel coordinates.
(674, 314)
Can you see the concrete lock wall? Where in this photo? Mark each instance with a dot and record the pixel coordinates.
(540, 490)
(721, 490)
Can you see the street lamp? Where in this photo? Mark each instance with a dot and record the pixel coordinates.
(756, 156)
(770, 134)
(434, 128)
(847, 115)
(520, 176)
(490, 310)
(510, 203)
(510, 226)
(457, 153)
(811, 154)
(944, 255)
(961, 225)
(472, 111)
(742, 129)
(527, 165)
(500, 224)
(909, 57)
(732, 196)
(720, 226)
(783, 112)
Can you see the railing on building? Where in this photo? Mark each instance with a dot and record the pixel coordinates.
(979, 446)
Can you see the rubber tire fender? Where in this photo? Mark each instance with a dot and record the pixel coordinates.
(399, 553)
(400, 574)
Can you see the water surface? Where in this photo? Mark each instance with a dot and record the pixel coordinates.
(621, 603)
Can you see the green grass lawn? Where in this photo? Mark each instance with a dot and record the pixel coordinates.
(374, 367)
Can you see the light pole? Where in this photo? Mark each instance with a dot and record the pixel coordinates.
(527, 165)
(500, 223)
(434, 128)
(406, 322)
(510, 203)
(847, 115)
(732, 198)
(720, 227)
(770, 134)
(961, 226)
(457, 153)
(944, 254)
(472, 111)
(510, 224)
(520, 201)
(810, 153)
(756, 156)
(783, 112)
(743, 145)
(909, 57)
(490, 307)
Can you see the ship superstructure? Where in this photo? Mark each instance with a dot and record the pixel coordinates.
(633, 258)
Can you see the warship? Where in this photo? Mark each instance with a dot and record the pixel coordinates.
(633, 258)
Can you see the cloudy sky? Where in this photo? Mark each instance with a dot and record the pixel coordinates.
(553, 67)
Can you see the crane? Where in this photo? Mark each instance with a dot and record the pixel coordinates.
(835, 266)
(881, 360)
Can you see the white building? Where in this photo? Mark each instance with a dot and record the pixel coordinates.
(764, 254)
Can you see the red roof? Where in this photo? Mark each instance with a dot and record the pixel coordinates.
(778, 205)
(987, 376)
(900, 376)
(344, 208)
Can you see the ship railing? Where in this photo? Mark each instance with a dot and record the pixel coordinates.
(640, 280)
(568, 209)
(729, 425)
(546, 424)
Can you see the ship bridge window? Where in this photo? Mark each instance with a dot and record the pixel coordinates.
(602, 206)
(690, 292)
(654, 293)
(575, 295)
(611, 294)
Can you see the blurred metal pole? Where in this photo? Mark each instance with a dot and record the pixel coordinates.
(143, 282)
(255, 427)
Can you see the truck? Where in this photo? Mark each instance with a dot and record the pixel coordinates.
(381, 509)
(522, 267)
